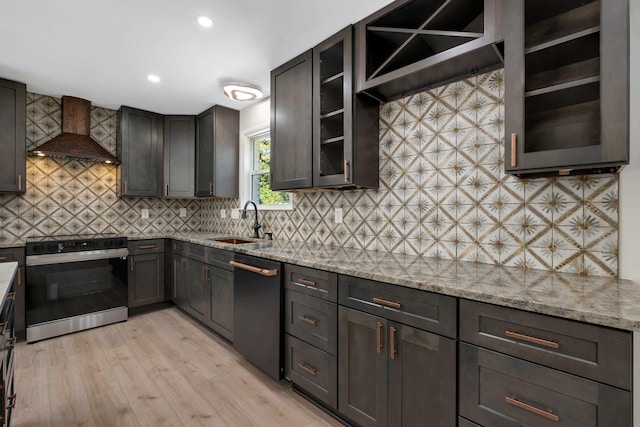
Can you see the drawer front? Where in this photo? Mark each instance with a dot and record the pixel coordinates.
(137, 247)
(425, 310)
(463, 422)
(312, 320)
(317, 283)
(500, 390)
(219, 258)
(180, 248)
(312, 370)
(12, 254)
(595, 352)
(197, 252)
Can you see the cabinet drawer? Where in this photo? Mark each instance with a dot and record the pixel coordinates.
(312, 320)
(463, 422)
(500, 390)
(425, 310)
(317, 283)
(180, 248)
(219, 258)
(12, 254)
(312, 370)
(197, 252)
(599, 353)
(146, 246)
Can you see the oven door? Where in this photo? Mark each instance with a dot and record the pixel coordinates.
(60, 286)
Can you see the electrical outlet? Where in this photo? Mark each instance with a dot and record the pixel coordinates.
(145, 213)
(223, 213)
(338, 215)
(183, 212)
(235, 214)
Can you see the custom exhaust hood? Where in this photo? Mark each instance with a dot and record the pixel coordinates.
(75, 140)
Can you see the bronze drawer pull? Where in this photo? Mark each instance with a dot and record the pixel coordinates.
(308, 370)
(392, 342)
(547, 414)
(514, 139)
(306, 282)
(147, 247)
(386, 302)
(4, 327)
(2, 258)
(11, 296)
(378, 337)
(11, 343)
(131, 263)
(262, 271)
(13, 399)
(183, 264)
(533, 340)
(305, 319)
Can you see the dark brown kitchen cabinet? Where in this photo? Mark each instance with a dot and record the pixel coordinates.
(566, 86)
(291, 124)
(410, 45)
(394, 374)
(217, 151)
(345, 125)
(146, 272)
(180, 280)
(179, 156)
(13, 125)
(499, 390)
(198, 290)
(139, 145)
(7, 345)
(17, 255)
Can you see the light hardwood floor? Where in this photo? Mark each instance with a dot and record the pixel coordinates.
(156, 369)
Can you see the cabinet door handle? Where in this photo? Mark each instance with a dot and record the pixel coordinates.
(386, 302)
(125, 187)
(346, 171)
(533, 340)
(19, 276)
(308, 370)
(166, 189)
(210, 188)
(392, 342)
(183, 264)
(514, 139)
(3, 258)
(4, 327)
(19, 182)
(547, 414)
(378, 337)
(308, 320)
(131, 263)
(12, 399)
(306, 282)
(11, 296)
(262, 271)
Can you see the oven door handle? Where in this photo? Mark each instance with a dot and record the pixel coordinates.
(67, 257)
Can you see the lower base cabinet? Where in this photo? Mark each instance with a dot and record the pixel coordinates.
(391, 374)
(146, 272)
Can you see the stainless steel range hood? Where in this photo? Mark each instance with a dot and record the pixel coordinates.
(75, 140)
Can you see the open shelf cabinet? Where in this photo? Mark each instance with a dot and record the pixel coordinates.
(567, 86)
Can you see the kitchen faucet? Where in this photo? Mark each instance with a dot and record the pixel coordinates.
(257, 225)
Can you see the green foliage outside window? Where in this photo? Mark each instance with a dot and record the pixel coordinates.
(260, 182)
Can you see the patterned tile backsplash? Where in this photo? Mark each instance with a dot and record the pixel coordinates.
(443, 194)
(67, 196)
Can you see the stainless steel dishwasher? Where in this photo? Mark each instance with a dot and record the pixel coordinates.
(257, 312)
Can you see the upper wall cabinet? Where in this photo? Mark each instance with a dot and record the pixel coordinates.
(217, 151)
(410, 45)
(322, 135)
(139, 141)
(179, 156)
(566, 86)
(13, 125)
(345, 126)
(291, 124)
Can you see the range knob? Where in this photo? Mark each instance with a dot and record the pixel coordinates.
(119, 243)
(52, 247)
(108, 243)
(38, 248)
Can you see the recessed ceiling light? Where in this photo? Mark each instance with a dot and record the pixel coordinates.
(242, 92)
(153, 78)
(204, 21)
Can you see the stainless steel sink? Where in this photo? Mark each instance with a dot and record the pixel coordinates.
(233, 240)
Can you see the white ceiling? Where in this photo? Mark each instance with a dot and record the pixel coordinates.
(103, 50)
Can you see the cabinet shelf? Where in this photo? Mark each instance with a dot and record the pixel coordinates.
(332, 140)
(332, 78)
(562, 86)
(332, 114)
(562, 40)
(540, 31)
(573, 72)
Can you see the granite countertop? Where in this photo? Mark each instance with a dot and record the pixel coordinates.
(602, 301)
(7, 273)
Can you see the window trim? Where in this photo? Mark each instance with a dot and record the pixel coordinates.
(247, 171)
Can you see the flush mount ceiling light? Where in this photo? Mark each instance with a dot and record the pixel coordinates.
(204, 21)
(153, 78)
(242, 92)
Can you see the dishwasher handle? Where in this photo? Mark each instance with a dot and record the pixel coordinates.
(262, 271)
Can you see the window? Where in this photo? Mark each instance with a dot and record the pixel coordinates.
(259, 178)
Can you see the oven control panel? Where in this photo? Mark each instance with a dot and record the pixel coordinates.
(42, 245)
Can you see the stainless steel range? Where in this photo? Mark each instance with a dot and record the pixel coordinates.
(74, 283)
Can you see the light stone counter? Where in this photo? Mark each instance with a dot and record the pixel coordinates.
(7, 273)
